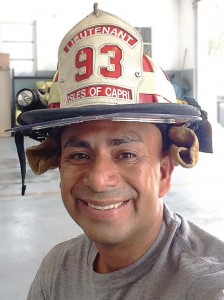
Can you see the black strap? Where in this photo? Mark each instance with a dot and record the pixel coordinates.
(19, 140)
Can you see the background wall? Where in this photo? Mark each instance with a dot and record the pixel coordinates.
(55, 18)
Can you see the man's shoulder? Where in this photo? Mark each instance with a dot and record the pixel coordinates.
(63, 264)
(73, 245)
(69, 251)
(199, 243)
(195, 241)
(198, 257)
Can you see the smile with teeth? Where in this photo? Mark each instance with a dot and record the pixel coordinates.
(105, 207)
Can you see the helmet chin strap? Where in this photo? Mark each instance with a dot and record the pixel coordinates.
(19, 141)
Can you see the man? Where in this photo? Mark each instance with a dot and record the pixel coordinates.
(116, 137)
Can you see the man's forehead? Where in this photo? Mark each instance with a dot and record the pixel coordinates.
(124, 130)
(101, 125)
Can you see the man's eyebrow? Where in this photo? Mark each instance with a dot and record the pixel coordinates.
(79, 143)
(124, 140)
(74, 142)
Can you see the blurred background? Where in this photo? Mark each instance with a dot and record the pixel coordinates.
(186, 37)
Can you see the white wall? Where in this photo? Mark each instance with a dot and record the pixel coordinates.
(187, 34)
(55, 18)
(210, 68)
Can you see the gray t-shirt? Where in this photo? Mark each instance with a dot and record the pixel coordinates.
(184, 262)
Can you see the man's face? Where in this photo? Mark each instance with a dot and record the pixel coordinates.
(112, 176)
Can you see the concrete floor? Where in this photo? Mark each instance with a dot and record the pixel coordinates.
(31, 225)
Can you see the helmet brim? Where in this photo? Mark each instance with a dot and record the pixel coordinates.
(153, 112)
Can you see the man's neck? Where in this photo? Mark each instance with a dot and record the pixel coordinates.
(112, 258)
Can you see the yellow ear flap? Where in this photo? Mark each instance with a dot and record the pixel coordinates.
(184, 149)
(43, 156)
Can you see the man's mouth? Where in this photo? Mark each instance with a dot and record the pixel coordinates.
(105, 207)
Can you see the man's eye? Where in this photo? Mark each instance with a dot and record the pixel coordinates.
(79, 156)
(127, 155)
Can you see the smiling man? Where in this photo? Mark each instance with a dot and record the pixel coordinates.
(116, 152)
(112, 175)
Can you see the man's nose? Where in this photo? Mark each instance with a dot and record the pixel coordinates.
(102, 174)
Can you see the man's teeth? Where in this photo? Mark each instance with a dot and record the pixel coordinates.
(106, 207)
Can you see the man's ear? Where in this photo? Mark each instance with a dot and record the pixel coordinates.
(166, 170)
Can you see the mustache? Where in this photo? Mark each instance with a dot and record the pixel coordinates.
(122, 193)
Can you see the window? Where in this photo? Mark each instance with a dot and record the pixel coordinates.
(146, 34)
(19, 40)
